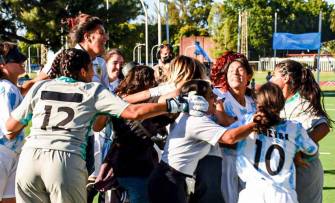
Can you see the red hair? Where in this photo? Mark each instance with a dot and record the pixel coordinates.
(219, 70)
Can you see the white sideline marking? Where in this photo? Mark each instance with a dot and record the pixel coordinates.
(325, 153)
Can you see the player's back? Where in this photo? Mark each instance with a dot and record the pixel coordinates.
(269, 156)
(62, 112)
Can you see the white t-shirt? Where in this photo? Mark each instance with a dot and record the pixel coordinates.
(190, 139)
(10, 98)
(269, 156)
(99, 67)
(62, 112)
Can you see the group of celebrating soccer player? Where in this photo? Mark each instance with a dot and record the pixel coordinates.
(99, 124)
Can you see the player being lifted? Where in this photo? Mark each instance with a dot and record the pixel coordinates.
(265, 157)
(52, 166)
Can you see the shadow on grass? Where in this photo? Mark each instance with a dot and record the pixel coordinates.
(331, 172)
(328, 93)
(329, 188)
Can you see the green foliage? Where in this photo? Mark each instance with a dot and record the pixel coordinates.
(42, 19)
(189, 17)
(295, 16)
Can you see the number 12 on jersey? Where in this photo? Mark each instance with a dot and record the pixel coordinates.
(47, 109)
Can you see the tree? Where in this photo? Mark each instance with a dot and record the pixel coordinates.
(189, 17)
(42, 19)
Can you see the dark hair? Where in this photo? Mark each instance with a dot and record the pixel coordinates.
(69, 62)
(219, 71)
(138, 79)
(85, 24)
(5, 47)
(9, 53)
(162, 46)
(302, 81)
(270, 101)
(200, 87)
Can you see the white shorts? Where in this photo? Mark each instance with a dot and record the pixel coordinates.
(261, 191)
(8, 165)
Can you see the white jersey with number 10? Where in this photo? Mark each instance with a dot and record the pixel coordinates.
(269, 156)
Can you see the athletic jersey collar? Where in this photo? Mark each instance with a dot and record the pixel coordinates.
(293, 98)
(67, 79)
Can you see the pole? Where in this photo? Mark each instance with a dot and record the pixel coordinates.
(239, 32)
(159, 23)
(38, 56)
(29, 59)
(134, 50)
(152, 54)
(107, 8)
(319, 52)
(146, 33)
(139, 60)
(167, 22)
(275, 51)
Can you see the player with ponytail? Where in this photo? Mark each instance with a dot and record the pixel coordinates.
(304, 103)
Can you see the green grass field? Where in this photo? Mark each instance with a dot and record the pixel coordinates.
(327, 155)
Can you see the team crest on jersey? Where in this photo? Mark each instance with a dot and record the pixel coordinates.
(98, 69)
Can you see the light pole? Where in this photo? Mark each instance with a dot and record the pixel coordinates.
(29, 59)
(167, 22)
(146, 33)
(159, 23)
(107, 8)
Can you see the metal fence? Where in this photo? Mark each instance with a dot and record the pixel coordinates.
(327, 64)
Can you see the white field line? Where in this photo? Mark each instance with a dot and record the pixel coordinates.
(325, 153)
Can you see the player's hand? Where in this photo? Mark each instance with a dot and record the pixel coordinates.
(104, 180)
(299, 161)
(176, 105)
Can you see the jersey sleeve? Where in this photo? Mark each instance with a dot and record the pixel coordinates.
(304, 142)
(24, 112)
(6, 107)
(107, 102)
(203, 128)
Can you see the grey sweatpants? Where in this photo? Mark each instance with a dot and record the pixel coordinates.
(309, 182)
(45, 175)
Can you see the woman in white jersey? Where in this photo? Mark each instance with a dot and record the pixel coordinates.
(231, 76)
(52, 165)
(190, 139)
(303, 103)
(265, 157)
(11, 66)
